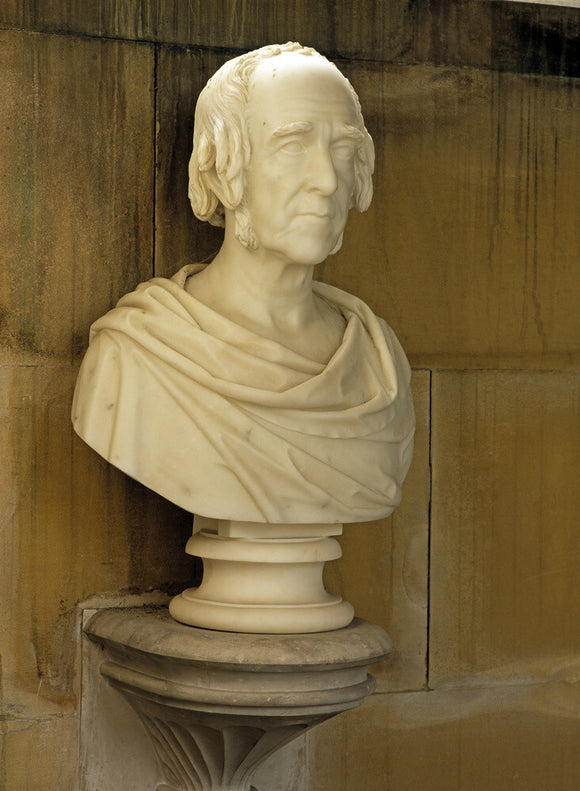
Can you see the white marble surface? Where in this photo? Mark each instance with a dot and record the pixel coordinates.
(262, 578)
(244, 390)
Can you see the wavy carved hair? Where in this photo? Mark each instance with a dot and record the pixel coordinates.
(221, 144)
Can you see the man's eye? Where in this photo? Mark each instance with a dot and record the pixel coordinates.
(292, 147)
(343, 150)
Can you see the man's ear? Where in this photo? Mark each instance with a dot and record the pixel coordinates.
(227, 191)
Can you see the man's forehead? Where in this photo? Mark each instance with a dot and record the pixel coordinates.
(296, 63)
(290, 70)
(317, 90)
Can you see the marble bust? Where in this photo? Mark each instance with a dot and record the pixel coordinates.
(243, 389)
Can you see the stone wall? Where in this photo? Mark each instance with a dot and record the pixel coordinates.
(470, 251)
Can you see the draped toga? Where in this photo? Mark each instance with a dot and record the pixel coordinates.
(228, 424)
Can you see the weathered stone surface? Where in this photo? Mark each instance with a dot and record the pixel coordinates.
(116, 751)
(216, 704)
(506, 36)
(383, 571)
(39, 754)
(154, 634)
(504, 543)
(71, 526)
(470, 247)
(536, 38)
(180, 238)
(332, 27)
(471, 254)
(76, 217)
(503, 738)
(520, 37)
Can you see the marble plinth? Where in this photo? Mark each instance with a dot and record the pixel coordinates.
(214, 704)
(262, 578)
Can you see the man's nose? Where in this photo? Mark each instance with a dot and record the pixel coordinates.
(322, 175)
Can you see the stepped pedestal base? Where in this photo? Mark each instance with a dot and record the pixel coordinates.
(261, 578)
(215, 704)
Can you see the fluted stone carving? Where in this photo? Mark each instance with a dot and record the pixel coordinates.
(203, 757)
(216, 704)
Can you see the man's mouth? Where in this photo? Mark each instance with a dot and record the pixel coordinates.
(319, 215)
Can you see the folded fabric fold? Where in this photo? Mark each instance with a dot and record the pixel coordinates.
(231, 425)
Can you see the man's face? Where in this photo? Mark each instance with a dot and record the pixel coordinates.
(303, 138)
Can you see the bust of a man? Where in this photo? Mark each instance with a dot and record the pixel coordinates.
(244, 389)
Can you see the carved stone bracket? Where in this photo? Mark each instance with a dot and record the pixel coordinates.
(215, 704)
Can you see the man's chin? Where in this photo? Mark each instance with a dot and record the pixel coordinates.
(311, 253)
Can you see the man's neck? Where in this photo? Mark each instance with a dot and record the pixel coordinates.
(259, 285)
(271, 297)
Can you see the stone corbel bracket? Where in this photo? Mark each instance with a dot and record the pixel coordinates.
(217, 704)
